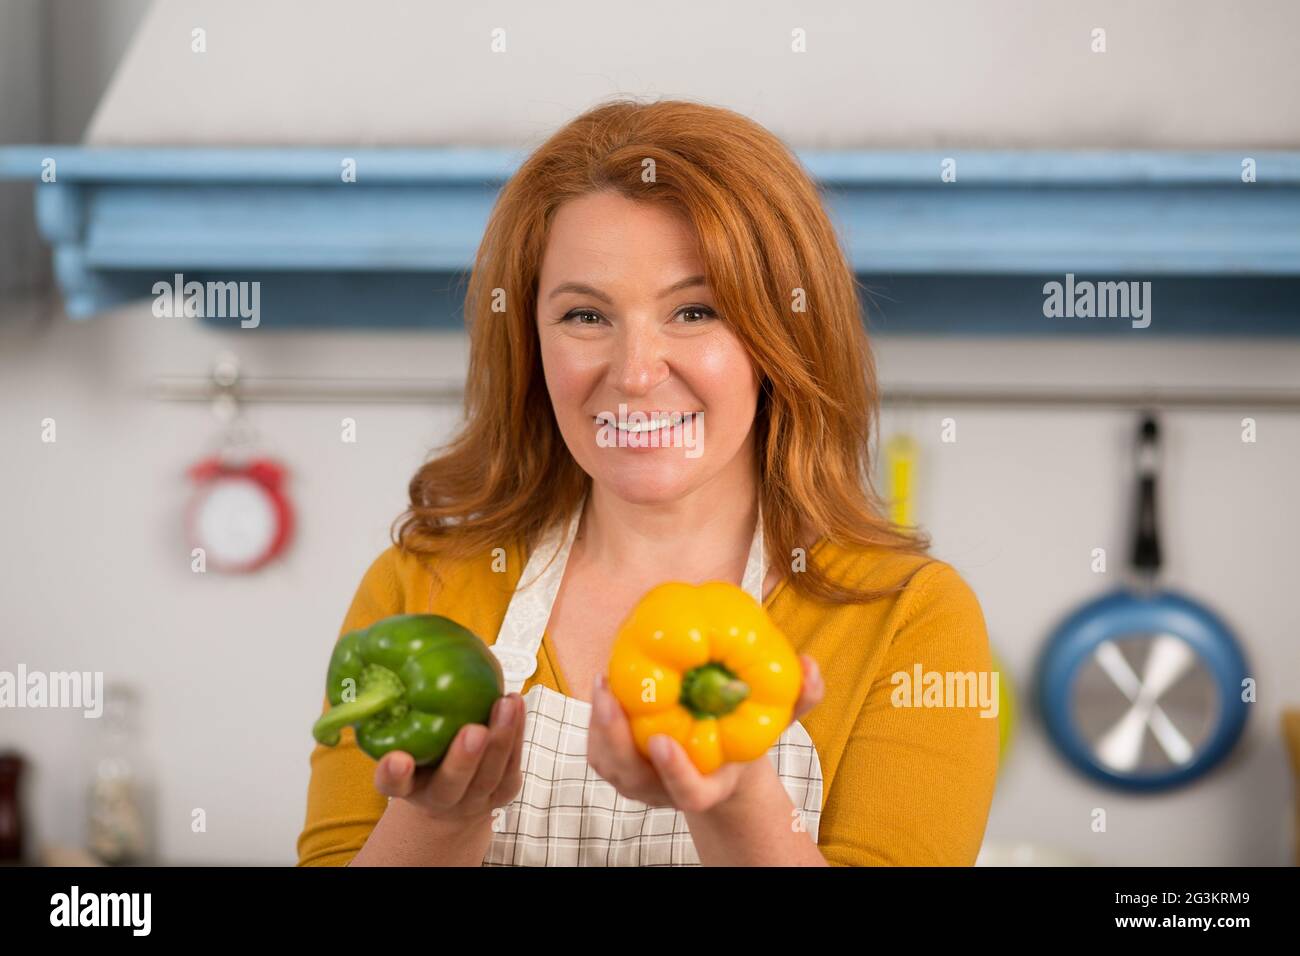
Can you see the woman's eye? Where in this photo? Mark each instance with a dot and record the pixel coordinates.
(577, 316)
(702, 313)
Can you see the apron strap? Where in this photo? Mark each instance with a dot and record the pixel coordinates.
(755, 564)
(521, 632)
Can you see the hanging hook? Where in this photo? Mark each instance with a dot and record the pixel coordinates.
(225, 376)
(1146, 554)
(237, 434)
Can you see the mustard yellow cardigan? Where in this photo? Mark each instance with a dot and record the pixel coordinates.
(902, 785)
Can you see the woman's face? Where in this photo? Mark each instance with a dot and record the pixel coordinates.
(654, 394)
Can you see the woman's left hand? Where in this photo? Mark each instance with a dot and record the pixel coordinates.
(669, 778)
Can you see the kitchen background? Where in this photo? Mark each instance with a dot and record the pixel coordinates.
(95, 567)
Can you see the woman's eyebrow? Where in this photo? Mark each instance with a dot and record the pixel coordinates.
(581, 288)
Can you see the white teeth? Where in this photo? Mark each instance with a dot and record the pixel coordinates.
(651, 423)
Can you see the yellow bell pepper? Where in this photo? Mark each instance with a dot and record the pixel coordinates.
(706, 666)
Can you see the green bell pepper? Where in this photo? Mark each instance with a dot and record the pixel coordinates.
(409, 682)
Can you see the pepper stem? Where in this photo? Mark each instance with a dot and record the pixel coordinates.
(711, 690)
(380, 689)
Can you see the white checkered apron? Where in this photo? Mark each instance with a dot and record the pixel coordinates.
(567, 815)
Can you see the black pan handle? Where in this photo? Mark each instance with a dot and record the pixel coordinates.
(1146, 547)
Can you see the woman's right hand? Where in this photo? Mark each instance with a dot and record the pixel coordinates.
(480, 772)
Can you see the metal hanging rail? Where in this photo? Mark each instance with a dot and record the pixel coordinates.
(1165, 397)
(254, 390)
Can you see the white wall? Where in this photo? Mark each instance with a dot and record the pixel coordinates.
(997, 73)
(94, 570)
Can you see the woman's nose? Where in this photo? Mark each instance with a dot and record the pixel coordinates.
(641, 362)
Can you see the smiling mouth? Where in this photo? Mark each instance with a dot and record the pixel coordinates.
(646, 421)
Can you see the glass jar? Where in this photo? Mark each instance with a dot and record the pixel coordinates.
(117, 831)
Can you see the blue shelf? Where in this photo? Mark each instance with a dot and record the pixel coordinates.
(968, 257)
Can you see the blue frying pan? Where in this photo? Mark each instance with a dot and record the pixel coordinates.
(1142, 688)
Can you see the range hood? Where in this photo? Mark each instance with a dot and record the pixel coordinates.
(215, 170)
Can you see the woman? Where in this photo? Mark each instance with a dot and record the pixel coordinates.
(669, 379)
